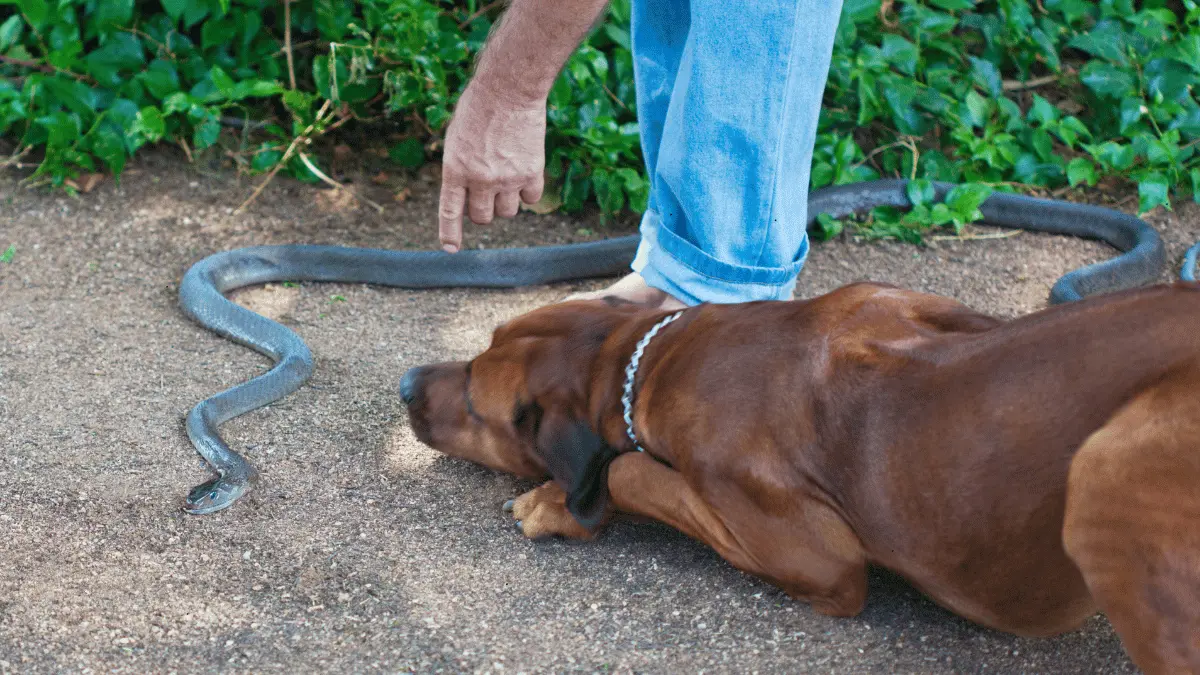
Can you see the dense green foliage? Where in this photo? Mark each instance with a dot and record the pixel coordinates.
(998, 94)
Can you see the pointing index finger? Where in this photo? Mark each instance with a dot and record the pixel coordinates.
(450, 215)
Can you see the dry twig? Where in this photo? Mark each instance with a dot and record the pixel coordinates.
(478, 13)
(973, 237)
(44, 67)
(15, 158)
(1016, 85)
(291, 149)
(287, 40)
(319, 174)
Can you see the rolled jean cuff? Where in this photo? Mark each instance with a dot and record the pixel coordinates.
(671, 264)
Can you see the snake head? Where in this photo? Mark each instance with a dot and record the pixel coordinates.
(214, 495)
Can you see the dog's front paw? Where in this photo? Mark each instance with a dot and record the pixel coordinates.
(542, 512)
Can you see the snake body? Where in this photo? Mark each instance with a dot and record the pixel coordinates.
(201, 293)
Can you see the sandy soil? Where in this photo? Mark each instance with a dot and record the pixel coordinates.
(363, 551)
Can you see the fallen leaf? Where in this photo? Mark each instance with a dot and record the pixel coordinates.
(549, 203)
(430, 172)
(402, 196)
(380, 178)
(87, 182)
(1070, 106)
(336, 201)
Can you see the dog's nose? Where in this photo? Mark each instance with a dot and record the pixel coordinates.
(409, 383)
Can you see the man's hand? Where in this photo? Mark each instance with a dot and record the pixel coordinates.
(496, 143)
(493, 160)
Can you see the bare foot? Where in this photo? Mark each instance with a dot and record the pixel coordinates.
(633, 288)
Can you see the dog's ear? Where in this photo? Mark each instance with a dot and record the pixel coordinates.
(578, 459)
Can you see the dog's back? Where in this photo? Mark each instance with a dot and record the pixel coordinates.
(968, 503)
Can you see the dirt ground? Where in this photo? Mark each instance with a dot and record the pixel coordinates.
(361, 550)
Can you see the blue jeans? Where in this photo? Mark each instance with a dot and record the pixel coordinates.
(728, 96)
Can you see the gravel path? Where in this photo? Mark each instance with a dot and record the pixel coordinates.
(361, 550)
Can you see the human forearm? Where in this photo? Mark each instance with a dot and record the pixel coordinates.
(527, 50)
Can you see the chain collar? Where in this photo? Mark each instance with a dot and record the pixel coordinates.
(631, 374)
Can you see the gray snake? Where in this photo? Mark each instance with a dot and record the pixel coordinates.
(201, 293)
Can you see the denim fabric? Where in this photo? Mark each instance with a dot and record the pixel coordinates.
(728, 97)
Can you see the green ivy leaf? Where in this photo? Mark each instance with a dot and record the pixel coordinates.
(1112, 155)
(113, 13)
(1194, 174)
(1047, 49)
(899, 96)
(637, 187)
(964, 200)
(1042, 111)
(919, 192)
(976, 110)
(222, 81)
(208, 130)
(860, 11)
(35, 11)
(1152, 192)
(332, 18)
(62, 128)
(408, 153)
(75, 95)
(941, 214)
(1187, 121)
(1131, 111)
(900, 53)
(175, 8)
(265, 159)
(609, 193)
(121, 54)
(177, 102)
(1107, 80)
(299, 103)
(195, 12)
(1070, 130)
(619, 35)
(1081, 170)
(953, 5)
(160, 78)
(1168, 79)
(216, 32)
(255, 89)
(148, 127)
(986, 76)
(109, 145)
(10, 31)
(576, 187)
(1043, 144)
(1108, 40)
(826, 227)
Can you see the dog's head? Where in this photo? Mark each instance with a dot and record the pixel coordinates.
(521, 406)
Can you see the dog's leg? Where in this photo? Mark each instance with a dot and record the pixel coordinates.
(542, 512)
(1133, 524)
(811, 553)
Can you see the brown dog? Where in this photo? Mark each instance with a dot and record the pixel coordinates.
(1021, 473)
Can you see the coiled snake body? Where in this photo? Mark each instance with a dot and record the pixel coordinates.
(201, 293)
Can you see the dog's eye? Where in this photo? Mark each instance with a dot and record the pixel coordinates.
(526, 416)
